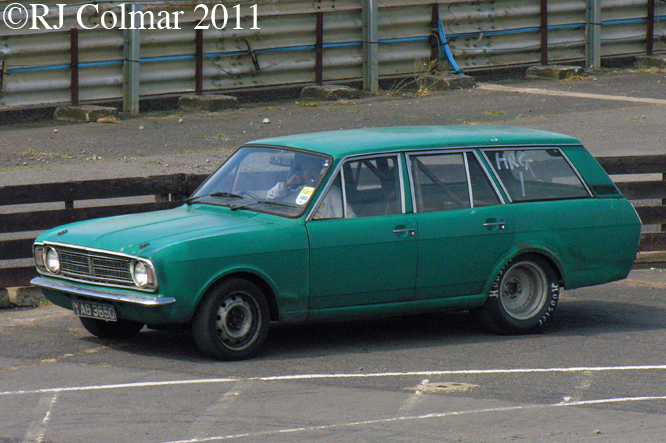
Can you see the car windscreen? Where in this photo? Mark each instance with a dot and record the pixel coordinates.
(265, 179)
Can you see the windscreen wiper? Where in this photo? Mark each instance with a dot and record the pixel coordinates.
(263, 202)
(189, 200)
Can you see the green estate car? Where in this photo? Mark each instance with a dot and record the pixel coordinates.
(349, 224)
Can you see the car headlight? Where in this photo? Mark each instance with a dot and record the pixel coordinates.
(51, 259)
(142, 274)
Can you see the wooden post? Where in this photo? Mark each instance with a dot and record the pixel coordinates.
(74, 65)
(650, 27)
(198, 64)
(319, 49)
(3, 74)
(663, 200)
(544, 32)
(434, 38)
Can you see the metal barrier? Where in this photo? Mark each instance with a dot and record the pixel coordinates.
(296, 42)
(17, 268)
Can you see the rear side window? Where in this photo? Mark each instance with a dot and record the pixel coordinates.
(536, 174)
(449, 181)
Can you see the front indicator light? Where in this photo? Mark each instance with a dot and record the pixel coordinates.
(39, 257)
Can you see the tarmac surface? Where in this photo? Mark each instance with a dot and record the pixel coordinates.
(629, 119)
(596, 375)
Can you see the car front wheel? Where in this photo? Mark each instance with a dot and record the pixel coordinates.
(523, 296)
(232, 320)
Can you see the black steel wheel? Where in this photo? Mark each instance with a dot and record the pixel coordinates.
(115, 330)
(231, 322)
(523, 296)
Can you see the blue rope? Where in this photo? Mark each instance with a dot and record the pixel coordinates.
(444, 45)
(441, 35)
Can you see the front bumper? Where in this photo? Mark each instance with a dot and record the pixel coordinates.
(101, 294)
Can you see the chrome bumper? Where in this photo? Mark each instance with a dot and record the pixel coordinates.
(101, 294)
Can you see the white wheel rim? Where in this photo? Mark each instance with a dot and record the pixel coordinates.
(524, 290)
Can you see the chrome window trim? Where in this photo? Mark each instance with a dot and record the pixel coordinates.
(483, 167)
(322, 195)
(343, 192)
(339, 169)
(98, 251)
(470, 193)
(447, 151)
(536, 148)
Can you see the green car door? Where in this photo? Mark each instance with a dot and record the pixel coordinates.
(464, 229)
(364, 254)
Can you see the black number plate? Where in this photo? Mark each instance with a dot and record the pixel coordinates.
(94, 310)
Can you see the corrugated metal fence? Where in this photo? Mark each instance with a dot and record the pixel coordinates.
(296, 42)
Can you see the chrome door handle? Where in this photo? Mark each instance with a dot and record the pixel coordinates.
(500, 224)
(410, 232)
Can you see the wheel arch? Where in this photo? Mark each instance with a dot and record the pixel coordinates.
(543, 253)
(253, 277)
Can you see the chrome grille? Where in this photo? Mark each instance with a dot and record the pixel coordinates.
(95, 267)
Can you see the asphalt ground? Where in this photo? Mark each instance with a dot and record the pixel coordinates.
(597, 375)
(630, 123)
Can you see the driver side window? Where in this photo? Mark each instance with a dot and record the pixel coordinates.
(372, 186)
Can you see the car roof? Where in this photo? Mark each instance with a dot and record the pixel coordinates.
(360, 141)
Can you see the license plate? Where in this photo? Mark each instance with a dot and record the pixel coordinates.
(94, 310)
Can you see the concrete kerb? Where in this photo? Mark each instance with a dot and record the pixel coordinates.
(553, 72)
(209, 102)
(436, 81)
(650, 259)
(85, 113)
(651, 61)
(23, 297)
(444, 82)
(330, 92)
(4, 299)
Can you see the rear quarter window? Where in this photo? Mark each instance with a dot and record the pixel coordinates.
(536, 174)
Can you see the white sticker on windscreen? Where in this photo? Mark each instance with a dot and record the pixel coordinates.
(304, 195)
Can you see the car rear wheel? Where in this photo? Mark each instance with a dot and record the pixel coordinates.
(232, 320)
(115, 330)
(523, 296)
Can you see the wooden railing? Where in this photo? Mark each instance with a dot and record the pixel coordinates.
(20, 222)
(648, 196)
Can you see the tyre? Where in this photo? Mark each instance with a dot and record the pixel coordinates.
(115, 330)
(231, 322)
(523, 296)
